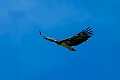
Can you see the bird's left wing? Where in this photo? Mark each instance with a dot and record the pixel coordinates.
(48, 38)
(79, 38)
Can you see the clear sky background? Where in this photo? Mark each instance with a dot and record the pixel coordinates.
(24, 55)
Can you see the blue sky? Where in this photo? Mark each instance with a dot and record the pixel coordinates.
(24, 55)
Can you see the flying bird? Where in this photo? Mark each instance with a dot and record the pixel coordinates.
(75, 40)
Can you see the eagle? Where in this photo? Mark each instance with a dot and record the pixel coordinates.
(75, 40)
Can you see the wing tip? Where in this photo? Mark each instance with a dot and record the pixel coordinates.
(89, 31)
(40, 32)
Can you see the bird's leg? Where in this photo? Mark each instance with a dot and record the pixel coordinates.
(72, 49)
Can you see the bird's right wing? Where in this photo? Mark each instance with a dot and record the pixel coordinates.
(79, 38)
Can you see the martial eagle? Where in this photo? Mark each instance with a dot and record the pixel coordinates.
(75, 40)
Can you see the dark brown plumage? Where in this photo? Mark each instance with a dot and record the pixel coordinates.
(75, 40)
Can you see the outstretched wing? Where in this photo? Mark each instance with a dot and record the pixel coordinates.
(79, 38)
(48, 38)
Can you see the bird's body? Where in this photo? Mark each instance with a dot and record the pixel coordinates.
(75, 40)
